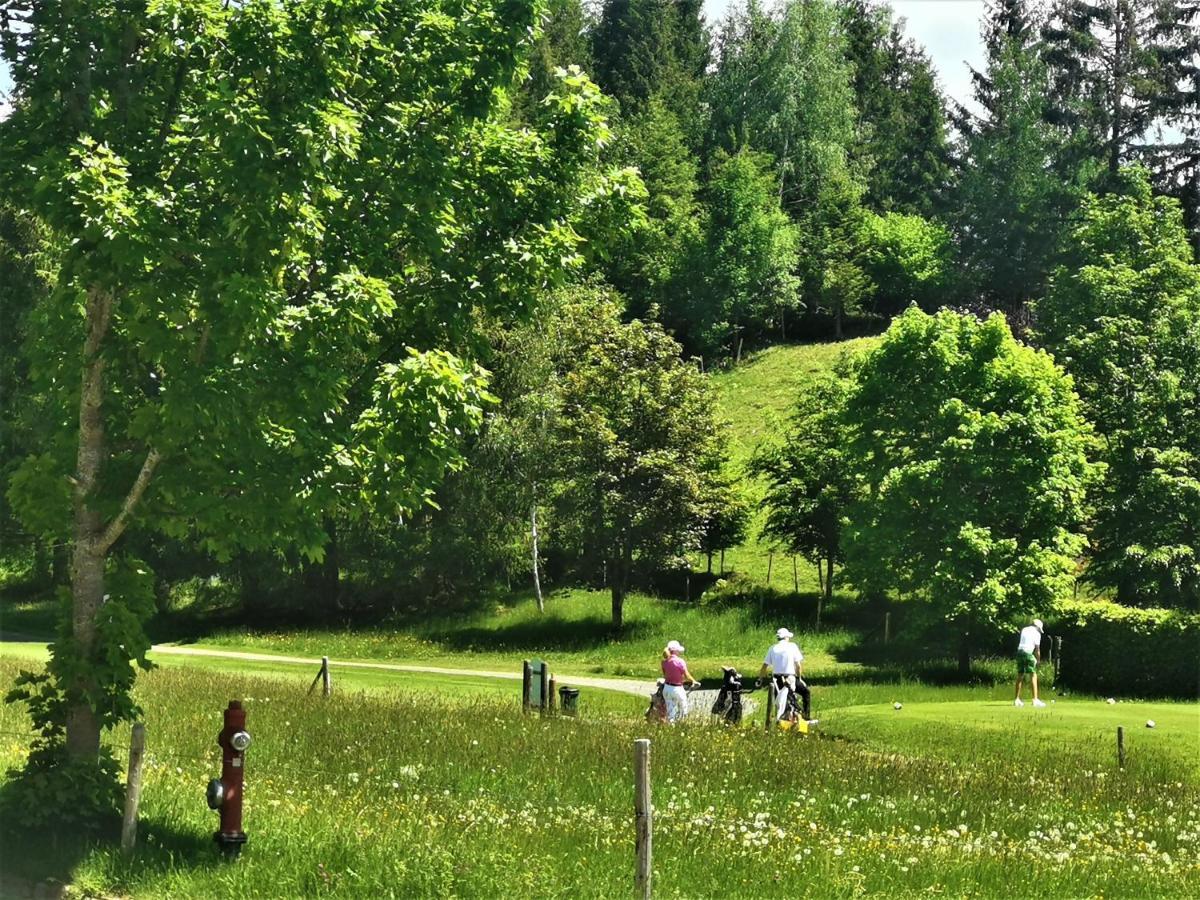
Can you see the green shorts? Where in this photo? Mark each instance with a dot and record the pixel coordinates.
(1026, 663)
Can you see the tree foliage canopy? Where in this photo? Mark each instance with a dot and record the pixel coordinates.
(279, 222)
(972, 455)
(1123, 317)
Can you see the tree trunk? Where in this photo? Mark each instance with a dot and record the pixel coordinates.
(827, 591)
(60, 564)
(331, 565)
(1120, 35)
(619, 571)
(42, 575)
(710, 556)
(537, 581)
(87, 550)
(87, 594)
(618, 605)
(837, 319)
(964, 654)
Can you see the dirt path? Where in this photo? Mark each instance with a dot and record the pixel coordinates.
(624, 686)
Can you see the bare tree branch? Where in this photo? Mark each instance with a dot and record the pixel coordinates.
(117, 526)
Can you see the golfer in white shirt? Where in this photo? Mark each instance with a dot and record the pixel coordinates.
(1029, 654)
(783, 663)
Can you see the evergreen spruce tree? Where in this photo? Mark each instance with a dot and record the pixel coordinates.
(902, 137)
(1011, 205)
(1119, 68)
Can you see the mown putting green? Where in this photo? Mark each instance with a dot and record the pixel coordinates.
(1083, 729)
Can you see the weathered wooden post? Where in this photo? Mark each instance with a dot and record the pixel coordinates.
(526, 679)
(644, 816)
(769, 719)
(324, 678)
(1120, 747)
(133, 787)
(551, 693)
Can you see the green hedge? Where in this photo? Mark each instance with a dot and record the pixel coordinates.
(1122, 650)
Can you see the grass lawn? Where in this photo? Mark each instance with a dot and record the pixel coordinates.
(594, 701)
(757, 398)
(575, 634)
(383, 794)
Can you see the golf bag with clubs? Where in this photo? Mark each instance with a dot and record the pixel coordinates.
(791, 697)
(657, 711)
(728, 705)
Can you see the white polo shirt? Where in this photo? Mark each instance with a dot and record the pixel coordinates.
(1030, 640)
(783, 658)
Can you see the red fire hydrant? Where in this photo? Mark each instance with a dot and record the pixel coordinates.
(225, 793)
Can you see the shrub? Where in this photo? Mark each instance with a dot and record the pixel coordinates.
(1112, 648)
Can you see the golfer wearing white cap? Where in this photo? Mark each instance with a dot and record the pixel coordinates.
(676, 675)
(783, 663)
(1029, 654)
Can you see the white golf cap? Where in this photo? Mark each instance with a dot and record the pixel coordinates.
(783, 634)
(674, 647)
(1037, 623)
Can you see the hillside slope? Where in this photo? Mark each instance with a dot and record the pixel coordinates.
(756, 398)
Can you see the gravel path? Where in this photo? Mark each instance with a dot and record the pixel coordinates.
(622, 685)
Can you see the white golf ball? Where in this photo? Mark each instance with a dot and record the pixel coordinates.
(897, 706)
(1149, 723)
(1110, 700)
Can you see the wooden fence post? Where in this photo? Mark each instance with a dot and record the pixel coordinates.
(644, 815)
(133, 787)
(553, 685)
(526, 683)
(769, 720)
(324, 678)
(1120, 746)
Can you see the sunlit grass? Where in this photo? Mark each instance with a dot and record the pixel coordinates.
(757, 398)
(382, 794)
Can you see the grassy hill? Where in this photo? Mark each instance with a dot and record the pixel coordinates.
(756, 398)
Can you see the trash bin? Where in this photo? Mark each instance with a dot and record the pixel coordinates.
(568, 701)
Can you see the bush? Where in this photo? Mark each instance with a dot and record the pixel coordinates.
(1119, 649)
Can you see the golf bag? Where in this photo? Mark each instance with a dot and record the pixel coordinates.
(729, 701)
(793, 711)
(657, 711)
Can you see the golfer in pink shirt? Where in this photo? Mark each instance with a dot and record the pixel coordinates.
(676, 675)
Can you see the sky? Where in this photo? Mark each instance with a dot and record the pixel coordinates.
(948, 29)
